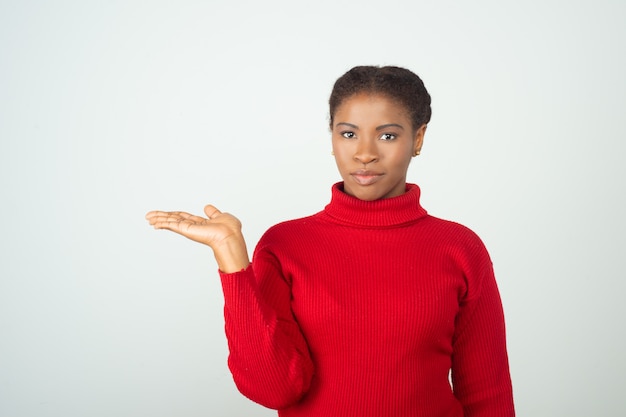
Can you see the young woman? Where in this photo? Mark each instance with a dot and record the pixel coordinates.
(367, 307)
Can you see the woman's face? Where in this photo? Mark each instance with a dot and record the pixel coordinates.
(373, 142)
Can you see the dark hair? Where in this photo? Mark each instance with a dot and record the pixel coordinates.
(398, 84)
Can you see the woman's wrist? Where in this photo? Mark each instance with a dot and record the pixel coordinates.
(232, 255)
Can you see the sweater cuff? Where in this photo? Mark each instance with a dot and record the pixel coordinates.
(234, 275)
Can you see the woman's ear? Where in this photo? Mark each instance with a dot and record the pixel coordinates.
(418, 140)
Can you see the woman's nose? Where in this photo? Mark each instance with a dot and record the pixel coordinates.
(366, 152)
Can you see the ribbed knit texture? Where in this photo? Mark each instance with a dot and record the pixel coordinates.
(363, 309)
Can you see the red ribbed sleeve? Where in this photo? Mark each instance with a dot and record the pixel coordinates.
(269, 358)
(480, 368)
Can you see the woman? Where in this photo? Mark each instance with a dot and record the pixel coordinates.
(365, 308)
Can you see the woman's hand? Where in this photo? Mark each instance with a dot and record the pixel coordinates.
(220, 231)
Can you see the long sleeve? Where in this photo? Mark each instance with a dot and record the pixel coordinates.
(269, 358)
(480, 368)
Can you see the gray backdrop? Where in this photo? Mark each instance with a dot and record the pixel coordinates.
(111, 109)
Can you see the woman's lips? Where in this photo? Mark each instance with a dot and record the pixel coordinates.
(366, 177)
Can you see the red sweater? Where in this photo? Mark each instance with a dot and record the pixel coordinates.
(363, 309)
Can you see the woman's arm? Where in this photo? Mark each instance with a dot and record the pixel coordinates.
(269, 357)
(480, 367)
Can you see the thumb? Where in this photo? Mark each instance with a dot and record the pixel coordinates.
(211, 211)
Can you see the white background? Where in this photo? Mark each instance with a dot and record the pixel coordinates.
(111, 109)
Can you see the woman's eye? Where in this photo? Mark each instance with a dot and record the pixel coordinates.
(388, 136)
(348, 135)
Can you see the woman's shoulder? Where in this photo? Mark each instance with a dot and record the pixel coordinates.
(287, 230)
(452, 232)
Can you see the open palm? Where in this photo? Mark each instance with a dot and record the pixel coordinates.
(220, 231)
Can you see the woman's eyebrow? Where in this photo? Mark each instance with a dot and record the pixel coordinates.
(388, 125)
(350, 125)
(381, 127)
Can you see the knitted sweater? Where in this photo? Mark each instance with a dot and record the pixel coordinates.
(366, 309)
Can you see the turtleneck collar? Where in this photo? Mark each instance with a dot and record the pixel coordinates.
(386, 212)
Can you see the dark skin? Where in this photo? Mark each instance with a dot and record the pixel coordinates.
(373, 143)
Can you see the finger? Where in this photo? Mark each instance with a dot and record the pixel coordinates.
(152, 216)
(161, 221)
(153, 213)
(166, 218)
(211, 211)
(192, 218)
(173, 224)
